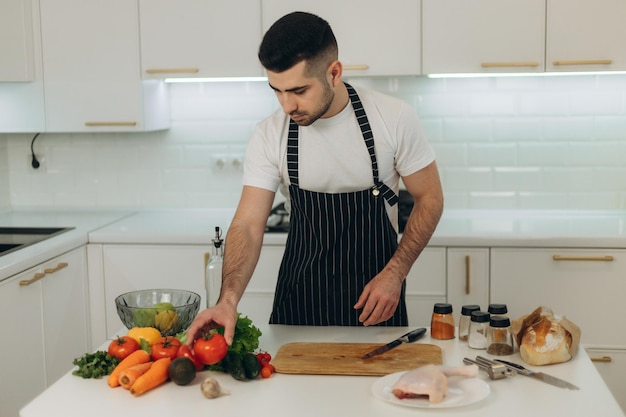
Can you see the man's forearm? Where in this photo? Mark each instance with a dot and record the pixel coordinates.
(420, 227)
(241, 255)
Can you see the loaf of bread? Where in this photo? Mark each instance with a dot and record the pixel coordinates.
(545, 339)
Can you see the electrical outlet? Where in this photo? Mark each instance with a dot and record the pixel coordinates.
(40, 159)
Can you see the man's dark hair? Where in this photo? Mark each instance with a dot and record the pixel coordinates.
(297, 37)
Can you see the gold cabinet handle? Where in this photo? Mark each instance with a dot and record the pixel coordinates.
(355, 67)
(107, 124)
(35, 278)
(585, 62)
(509, 64)
(60, 266)
(172, 70)
(467, 274)
(607, 258)
(602, 359)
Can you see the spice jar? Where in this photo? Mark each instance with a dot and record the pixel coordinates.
(499, 337)
(497, 309)
(479, 325)
(464, 320)
(442, 322)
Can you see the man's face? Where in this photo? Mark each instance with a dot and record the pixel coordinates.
(304, 99)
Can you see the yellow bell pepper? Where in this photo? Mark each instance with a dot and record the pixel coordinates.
(149, 334)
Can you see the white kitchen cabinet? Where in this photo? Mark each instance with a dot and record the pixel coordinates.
(91, 62)
(467, 277)
(585, 36)
(611, 364)
(21, 77)
(137, 267)
(587, 286)
(46, 311)
(374, 37)
(426, 285)
(200, 38)
(16, 41)
(483, 36)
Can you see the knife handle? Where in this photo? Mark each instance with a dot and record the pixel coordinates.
(517, 367)
(413, 335)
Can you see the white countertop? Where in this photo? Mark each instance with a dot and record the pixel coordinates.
(83, 222)
(487, 228)
(322, 396)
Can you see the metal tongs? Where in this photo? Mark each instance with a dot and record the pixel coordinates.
(494, 369)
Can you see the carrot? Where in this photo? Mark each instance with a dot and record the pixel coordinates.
(130, 375)
(135, 358)
(155, 376)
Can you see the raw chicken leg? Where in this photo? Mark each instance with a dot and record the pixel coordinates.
(430, 380)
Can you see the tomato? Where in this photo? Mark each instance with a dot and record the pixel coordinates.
(210, 348)
(122, 347)
(165, 347)
(263, 358)
(266, 372)
(185, 352)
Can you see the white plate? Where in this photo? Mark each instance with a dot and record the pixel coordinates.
(461, 391)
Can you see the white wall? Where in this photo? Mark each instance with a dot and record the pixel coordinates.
(522, 142)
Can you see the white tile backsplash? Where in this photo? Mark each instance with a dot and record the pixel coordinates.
(502, 143)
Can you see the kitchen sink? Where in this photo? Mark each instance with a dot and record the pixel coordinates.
(15, 238)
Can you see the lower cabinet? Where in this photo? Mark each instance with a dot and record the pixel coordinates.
(611, 364)
(47, 313)
(467, 278)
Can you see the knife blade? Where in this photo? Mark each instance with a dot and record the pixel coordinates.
(409, 337)
(552, 380)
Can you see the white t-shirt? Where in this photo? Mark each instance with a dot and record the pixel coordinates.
(332, 154)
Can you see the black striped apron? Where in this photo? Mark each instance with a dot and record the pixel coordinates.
(336, 244)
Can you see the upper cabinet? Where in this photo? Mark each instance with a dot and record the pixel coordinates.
(200, 38)
(92, 69)
(16, 41)
(483, 36)
(374, 37)
(586, 35)
(21, 79)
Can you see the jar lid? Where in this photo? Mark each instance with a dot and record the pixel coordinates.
(497, 309)
(467, 309)
(442, 308)
(480, 316)
(499, 321)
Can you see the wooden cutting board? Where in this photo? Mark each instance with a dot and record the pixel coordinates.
(345, 358)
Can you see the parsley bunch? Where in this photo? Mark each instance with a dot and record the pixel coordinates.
(95, 365)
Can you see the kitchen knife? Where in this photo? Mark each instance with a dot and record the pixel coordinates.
(409, 337)
(552, 380)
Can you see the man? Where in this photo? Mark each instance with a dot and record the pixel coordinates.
(338, 155)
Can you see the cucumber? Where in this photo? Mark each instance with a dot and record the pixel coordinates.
(251, 365)
(233, 364)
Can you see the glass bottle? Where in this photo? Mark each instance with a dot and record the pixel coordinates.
(213, 273)
(464, 320)
(479, 325)
(442, 322)
(499, 337)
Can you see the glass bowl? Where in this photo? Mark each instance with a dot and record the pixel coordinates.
(169, 311)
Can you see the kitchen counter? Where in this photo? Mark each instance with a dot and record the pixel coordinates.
(83, 222)
(487, 228)
(315, 396)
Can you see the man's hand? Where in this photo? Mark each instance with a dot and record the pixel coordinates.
(379, 298)
(220, 315)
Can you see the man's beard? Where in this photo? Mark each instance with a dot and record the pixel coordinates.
(327, 100)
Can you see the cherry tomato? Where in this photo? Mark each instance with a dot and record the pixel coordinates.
(210, 348)
(122, 346)
(186, 352)
(165, 347)
(266, 372)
